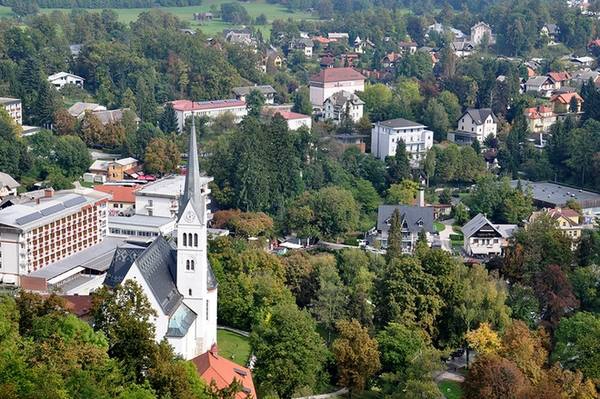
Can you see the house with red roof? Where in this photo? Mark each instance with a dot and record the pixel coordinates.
(332, 80)
(216, 369)
(539, 120)
(210, 109)
(123, 198)
(567, 220)
(562, 102)
(559, 78)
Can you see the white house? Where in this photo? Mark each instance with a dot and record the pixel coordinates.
(210, 109)
(483, 238)
(176, 276)
(79, 108)
(386, 135)
(543, 85)
(160, 198)
(267, 91)
(342, 103)
(8, 185)
(61, 79)
(14, 108)
(302, 44)
(332, 80)
(479, 32)
(295, 120)
(475, 124)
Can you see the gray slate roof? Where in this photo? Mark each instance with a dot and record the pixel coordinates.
(473, 225)
(536, 81)
(245, 90)
(400, 123)
(417, 218)
(479, 115)
(341, 97)
(6, 180)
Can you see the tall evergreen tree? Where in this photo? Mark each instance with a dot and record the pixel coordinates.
(168, 120)
(394, 247)
(398, 165)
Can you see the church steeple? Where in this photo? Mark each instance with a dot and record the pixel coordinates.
(193, 184)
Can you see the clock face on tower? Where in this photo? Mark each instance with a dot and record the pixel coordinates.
(189, 216)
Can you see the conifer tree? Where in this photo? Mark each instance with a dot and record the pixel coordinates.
(168, 120)
(394, 248)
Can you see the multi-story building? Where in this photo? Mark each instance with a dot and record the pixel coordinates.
(210, 109)
(385, 136)
(38, 232)
(475, 124)
(482, 238)
(414, 220)
(341, 104)
(122, 201)
(332, 80)
(567, 220)
(117, 169)
(539, 121)
(160, 198)
(14, 108)
(481, 32)
(267, 91)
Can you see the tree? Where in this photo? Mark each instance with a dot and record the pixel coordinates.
(527, 349)
(404, 193)
(23, 8)
(128, 100)
(168, 120)
(585, 281)
(47, 104)
(302, 103)
(436, 117)
(255, 102)
(91, 129)
(577, 345)
(394, 247)
(398, 165)
(161, 157)
(124, 316)
(484, 340)
(555, 294)
(494, 377)
(288, 349)
(330, 303)
(64, 123)
(235, 13)
(524, 304)
(356, 355)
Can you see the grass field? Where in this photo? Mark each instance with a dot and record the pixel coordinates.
(450, 389)
(255, 8)
(5, 12)
(438, 226)
(233, 347)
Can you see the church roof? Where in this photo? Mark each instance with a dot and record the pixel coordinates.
(193, 181)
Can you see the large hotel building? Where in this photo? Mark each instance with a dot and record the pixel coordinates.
(46, 229)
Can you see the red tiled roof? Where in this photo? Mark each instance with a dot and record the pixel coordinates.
(213, 367)
(187, 105)
(288, 115)
(559, 76)
(565, 98)
(323, 40)
(595, 42)
(124, 194)
(565, 212)
(337, 75)
(79, 305)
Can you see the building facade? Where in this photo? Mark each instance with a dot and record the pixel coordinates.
(61, 79)
(210, 109)
(385, 136)
(414, 220)
(160, 198)
(332, 80)
(39, 232)
(14, 108)
(341, 104)
(482, 238)
(475, 124)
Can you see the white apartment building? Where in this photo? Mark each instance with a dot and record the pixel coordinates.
(332, 80)
(61, 79)
(43, 230)
(14, 108)
(160, 198)
(211, 109)
(385, 136)
(475, 124)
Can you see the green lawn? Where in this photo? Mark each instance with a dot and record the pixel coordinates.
(5, 12)
(450, 389)
(255, 8)
(233, 347)
(438, 226)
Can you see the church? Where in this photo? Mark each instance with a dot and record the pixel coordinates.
(175, 275)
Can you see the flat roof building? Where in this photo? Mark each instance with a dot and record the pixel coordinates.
(555, 195)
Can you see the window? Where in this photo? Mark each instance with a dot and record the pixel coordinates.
(190, 292)
(185, 239)
(207, 309)
(195, 239)
(192, 265)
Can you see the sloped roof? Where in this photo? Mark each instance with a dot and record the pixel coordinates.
(288, 115)
(537, 81)
(245, 90)
(80, 107)
(6, 180)
(340, 98)
(479, 115)
(400, 123)
(559, 76)
(111, 116)
(328, 75)
(417, 218)
(565, 98)
(60, 75)
(187, 105)
(119, 193)
(213, 367)
(475, 224)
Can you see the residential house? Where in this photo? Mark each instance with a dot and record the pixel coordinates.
(222, 372)
(272, 59)
(585, 61)
(475, 124)
(462, 48)
(483, 238)
(14, 108)
(332, 80)
(75, 49)
(61, 79)
(327, 61)
(107, 117)
(160, 198)
(176, 276)
(542, 85)
(562, 102)
(8, 185)
(210, 109)
(303, 45)
(583, 76)
(360, 46)
(551, 32)
(385, 136)
(414, 220)
(203, 16)
(267, 91)
(480, 33)
(239, 36)
(390, 60)
(559, 79)
(539, 121)
(567, 220)
(115, 170)
(441, 29)
(407, 47)
(122, 201)
(294, 120)
(556, 195)
(341, 104)
(79, 109)
(339, 36)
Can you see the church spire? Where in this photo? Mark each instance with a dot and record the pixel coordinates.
(193, 185)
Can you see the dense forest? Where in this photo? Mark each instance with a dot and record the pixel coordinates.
(103, 3)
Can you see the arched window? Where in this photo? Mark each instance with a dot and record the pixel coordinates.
(192, 265)
(195, 239)
(187, 264)
(185, 239)
(190, 292)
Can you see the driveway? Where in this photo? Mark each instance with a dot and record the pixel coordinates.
(445, 235)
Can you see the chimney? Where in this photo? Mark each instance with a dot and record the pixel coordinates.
(421, 197)
(214, 349)
(48, 192)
